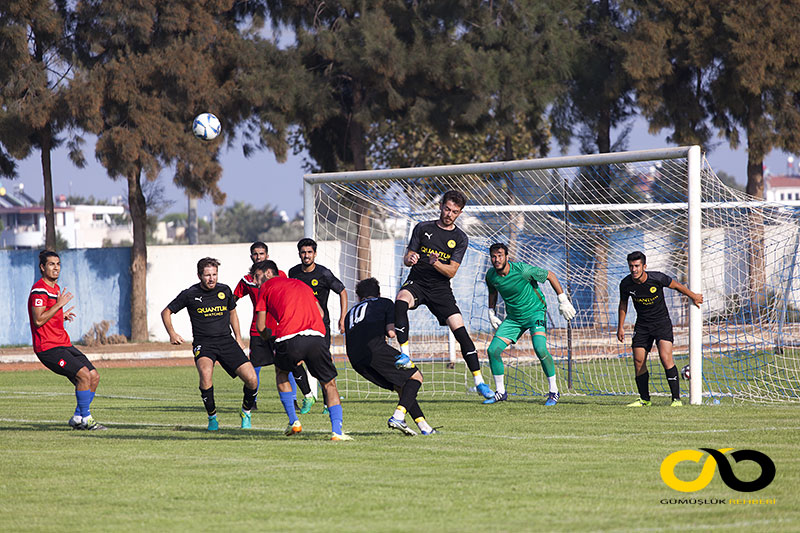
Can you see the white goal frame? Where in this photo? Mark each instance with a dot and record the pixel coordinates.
(694, 208)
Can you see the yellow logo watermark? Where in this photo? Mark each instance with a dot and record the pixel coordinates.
(714, 459)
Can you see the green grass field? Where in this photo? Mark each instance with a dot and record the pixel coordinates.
(588, 464)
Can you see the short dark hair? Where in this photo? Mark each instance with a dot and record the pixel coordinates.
(498, 246)
(368, 287)
(637, 256)
(457, 197)
(264, 266)
(258, 244)
(206, 262)
(307, 242)
(44, 255)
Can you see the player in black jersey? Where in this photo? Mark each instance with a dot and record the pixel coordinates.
(212, 312)
(652, 323)
(434, 254)
(367, 325)
(322, 282)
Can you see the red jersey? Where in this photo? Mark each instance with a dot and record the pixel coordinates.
(248, 286)
(51, 334)
(294, 305)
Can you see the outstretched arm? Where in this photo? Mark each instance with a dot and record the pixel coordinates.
(566, 308)
(694, 297)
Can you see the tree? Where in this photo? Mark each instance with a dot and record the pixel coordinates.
(146, 68)
(242, 222)
(35, 67)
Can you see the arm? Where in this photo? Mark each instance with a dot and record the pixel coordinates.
(411, 258)
(343, 309)
(390, 331)
(448, 270)
(622, 312)
(694, 297)
(166, 318)
(494, 320)
(237, 333)
(41, 316)
(319, 308)
(566, 308)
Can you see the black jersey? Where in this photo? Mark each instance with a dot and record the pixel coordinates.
(428, 238)
(648, 297)
(209, 310)
(322, 282)
(365, 326)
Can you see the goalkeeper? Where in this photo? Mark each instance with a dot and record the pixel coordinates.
(526, 309)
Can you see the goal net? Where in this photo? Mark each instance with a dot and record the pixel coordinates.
(579, 217)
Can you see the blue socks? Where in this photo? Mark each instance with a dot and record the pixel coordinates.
(287, 399)
(84, 398)
(294, 385)
(335, 412)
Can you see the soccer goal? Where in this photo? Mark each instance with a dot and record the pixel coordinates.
(579, 217)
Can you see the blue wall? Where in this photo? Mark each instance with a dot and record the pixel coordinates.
(99, 279)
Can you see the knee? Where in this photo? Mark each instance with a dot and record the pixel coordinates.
(94, 376)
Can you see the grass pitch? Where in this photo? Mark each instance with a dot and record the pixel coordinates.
(588, 464)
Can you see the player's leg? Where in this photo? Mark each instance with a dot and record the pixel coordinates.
(665, 354)
(314, 351)
(539, 338)
(258, 385)
(205, 372)
(86, 380)
(403, 302)
(301, 379)
(287, 399)
(247, 374)
(641, 344)
(495, 351)
(468, 352)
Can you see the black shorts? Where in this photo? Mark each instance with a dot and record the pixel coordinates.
(376, 365)
(224, 350)
(309, 348)
(65, 361)
(436, 295)
(645, 335)
(262, 352)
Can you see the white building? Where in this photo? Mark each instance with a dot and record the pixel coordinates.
(82, 226)
(782, 188)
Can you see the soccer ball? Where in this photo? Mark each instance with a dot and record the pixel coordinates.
(685, 372)
(206, 126)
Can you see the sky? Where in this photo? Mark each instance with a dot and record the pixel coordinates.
(261, 180)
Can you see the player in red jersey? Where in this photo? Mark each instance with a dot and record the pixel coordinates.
(51, 342)
(299, 336)
(261, 351)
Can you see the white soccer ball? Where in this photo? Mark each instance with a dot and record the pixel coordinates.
(685, 372)
(206, 126)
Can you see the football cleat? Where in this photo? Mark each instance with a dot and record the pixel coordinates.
(245, 420)
(293, 429)
(484, 390)
(431, 432)
(213, 424)
(75, 424)
(403, 361)
(676, 403)
(552, 398)
(91, 424)
(640, 403)
(498, 397)
(342, 436)
(401, 426)
(308, 403)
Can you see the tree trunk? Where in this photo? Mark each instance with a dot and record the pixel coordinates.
(757, 274)
(191, 221)
(138, 210)
(46, 138)
(363, 212)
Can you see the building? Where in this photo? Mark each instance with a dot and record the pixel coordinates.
(782, 188)
(81, 226)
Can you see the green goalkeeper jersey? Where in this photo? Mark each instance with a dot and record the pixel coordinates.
(519, 289)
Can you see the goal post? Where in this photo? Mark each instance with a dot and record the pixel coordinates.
(579, 216)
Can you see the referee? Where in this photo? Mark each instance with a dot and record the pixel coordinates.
(652, 324)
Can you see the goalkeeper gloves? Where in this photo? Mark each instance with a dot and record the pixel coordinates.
(494, 319)
(565, 308)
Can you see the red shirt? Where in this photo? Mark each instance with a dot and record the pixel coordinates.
(51, 334)
(248, 286)
(294, 305)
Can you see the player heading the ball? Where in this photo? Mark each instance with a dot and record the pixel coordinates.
(434, 254)
(652, 324)
(526, 309)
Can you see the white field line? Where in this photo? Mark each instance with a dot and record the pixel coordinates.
(161, 425)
